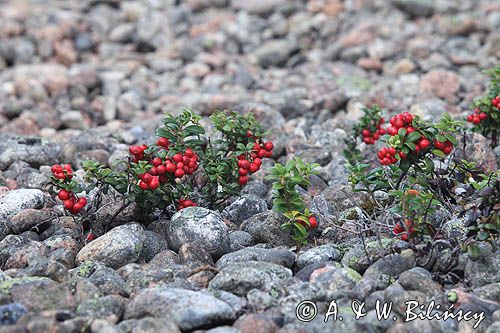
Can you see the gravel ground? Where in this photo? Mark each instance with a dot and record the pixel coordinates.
(85, 79)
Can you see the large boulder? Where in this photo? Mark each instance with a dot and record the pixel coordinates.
(118, 247)
(199, 225)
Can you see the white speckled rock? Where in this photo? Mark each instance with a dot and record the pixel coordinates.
(118, 247)
(12, 202)
(199, 225)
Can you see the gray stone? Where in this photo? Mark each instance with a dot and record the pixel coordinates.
(14, 201)
(199, 225)
(318, 254)
(188, 309)
(153, 244)
(244, 208)
(415, 7)
(266, 228)
(121, 245)
(278, 256)
(391, 265)
(240, 240)
(240, 278)
(483, 270)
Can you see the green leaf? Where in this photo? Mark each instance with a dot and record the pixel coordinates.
(404, 165)
(412, 137)
(429, 165)
(438, 153)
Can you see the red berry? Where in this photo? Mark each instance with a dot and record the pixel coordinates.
(402, 155)
(439, 145)
(161, 170)
(63, 195)
(157, 161)
(381, 131)
(391, 150)
(68, 204)
(392, 130)
(154, 171)
(242, 172)
(313, 222)
(257, 162)
(386, 161)
(382, 120)
(240, 163)
(67, 167)
(407, 117)
(143, 185)
(253, 168)
(249, 134)
(243, 180)
(177, 158)
(365, 132)
(90, 236)
(146, 177)
(398, 228)
(368, 141)
(483, 116)
(135, 150)
(399, 123)
(393, 121)
(163, 179)
(56, 168)
(60, 175)
(189, 152)
(417, 149)
(447, 150)
(155, 182)
(424, 143)
(180, 165)
(170, 167)
(262, 153)
(470, 117)
(375, 136)
(82, 201)
(162, 142)
(393, 159)
(476, 120)
(179, 173)
(268, 146)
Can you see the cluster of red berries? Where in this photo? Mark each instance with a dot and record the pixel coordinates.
(446, 147)
(70, 200)
(478, 116)
(181, 164)
(62, 172)
(369, 138)
(137, 152)
(250, 163)
(496, 102)
(183, 203)
(402, 120)
(400, 229)
(387, 155)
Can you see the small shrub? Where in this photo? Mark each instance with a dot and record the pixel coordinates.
(182, 168)
(287, 200)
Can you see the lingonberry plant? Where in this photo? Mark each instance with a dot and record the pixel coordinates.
(182, 168)
(411, 147)
(287, 200)
(486, 109)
